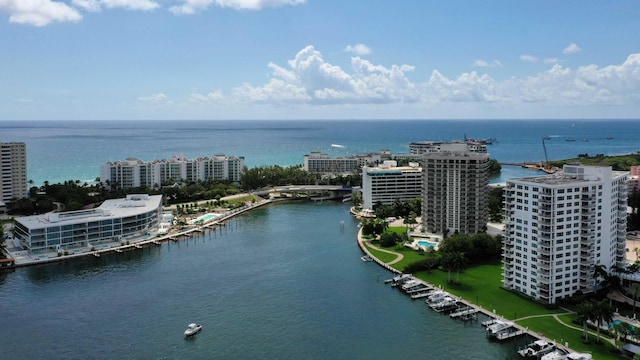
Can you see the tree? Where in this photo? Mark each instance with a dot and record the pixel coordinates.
(634, 290)
(602, 313)
(585, 312)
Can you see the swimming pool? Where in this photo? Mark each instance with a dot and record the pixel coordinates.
(204, 218)
(426, 243)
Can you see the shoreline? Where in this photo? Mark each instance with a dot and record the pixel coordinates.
(491, 315)
(24, 260)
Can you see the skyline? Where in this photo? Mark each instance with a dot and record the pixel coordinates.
(311, 59)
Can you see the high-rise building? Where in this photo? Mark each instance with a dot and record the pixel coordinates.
(13, 171)
(133, 173)
(559, 227)
(388, 182)
(455, 193)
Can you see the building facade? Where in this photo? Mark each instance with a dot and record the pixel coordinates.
(13, 171)
(559, 227)
(114, 221)
(388, 182)
(455, 192)
(133, 173)
(426, 147)
(320, 163)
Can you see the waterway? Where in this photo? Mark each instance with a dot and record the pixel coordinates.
(284, 281)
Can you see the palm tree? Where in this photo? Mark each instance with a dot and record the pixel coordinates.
(634, 289)
(585, 313)
(447, 263)
(602, 313)
(458, 262)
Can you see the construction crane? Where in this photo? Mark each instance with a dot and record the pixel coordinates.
(546, 157)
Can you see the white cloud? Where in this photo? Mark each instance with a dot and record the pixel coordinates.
(482, 63)
(97, 5)
(358, 49)
(157, 99)
(38, 12)
(571, 49)
(189, 7)
(212, 97)
(529, 58)
(310, 79)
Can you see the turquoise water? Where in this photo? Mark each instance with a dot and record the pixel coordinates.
(281, 282)
(205, 218)
(426, 243)
(58, 151)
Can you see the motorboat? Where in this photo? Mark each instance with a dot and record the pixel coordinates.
(409, 284)
(436, 296)
(498, 326)
(192, 329)
(557, 354)
(445, 303)
(536, 349)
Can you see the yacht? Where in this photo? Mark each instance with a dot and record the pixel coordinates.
(536, 349)
(436, 296)
(498, 326)
(192, 329)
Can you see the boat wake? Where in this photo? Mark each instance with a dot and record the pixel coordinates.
(337, 145)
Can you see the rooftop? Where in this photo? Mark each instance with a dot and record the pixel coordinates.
(116, 208)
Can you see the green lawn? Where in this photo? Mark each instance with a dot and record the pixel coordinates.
(482, 285)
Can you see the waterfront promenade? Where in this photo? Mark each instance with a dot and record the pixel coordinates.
(23, 258)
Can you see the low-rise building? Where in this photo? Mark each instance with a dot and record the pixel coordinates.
(386, 183)
(115, 220)
(133, 173)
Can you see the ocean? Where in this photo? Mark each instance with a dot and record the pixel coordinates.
(284, 281)
(74, 150)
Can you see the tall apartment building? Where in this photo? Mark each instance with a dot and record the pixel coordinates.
(455, 193)
(559, 227)
(133, 173)
(388, 182)
(13, 171)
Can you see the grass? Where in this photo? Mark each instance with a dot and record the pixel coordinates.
(481, 285)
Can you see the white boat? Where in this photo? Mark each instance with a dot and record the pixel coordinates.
(557, 354)
(436, 296)
(536, 349)
(192, 329)
(498, 326)
(579, 356)
(444, 303)
(410, 284)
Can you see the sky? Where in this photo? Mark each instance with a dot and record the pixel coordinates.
(319, 59)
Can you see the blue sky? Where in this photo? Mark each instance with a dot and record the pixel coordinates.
(318, 59)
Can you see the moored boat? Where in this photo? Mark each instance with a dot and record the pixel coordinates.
(536, 349)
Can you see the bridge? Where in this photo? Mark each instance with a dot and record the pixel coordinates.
(314, 192)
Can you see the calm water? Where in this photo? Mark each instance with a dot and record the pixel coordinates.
(283, 282)
(70, 150)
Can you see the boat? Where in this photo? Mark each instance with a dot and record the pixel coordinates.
(557, 354)
(498, 326)
(366, 258)
(436, 296)
(192, 329)
(536, 349)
